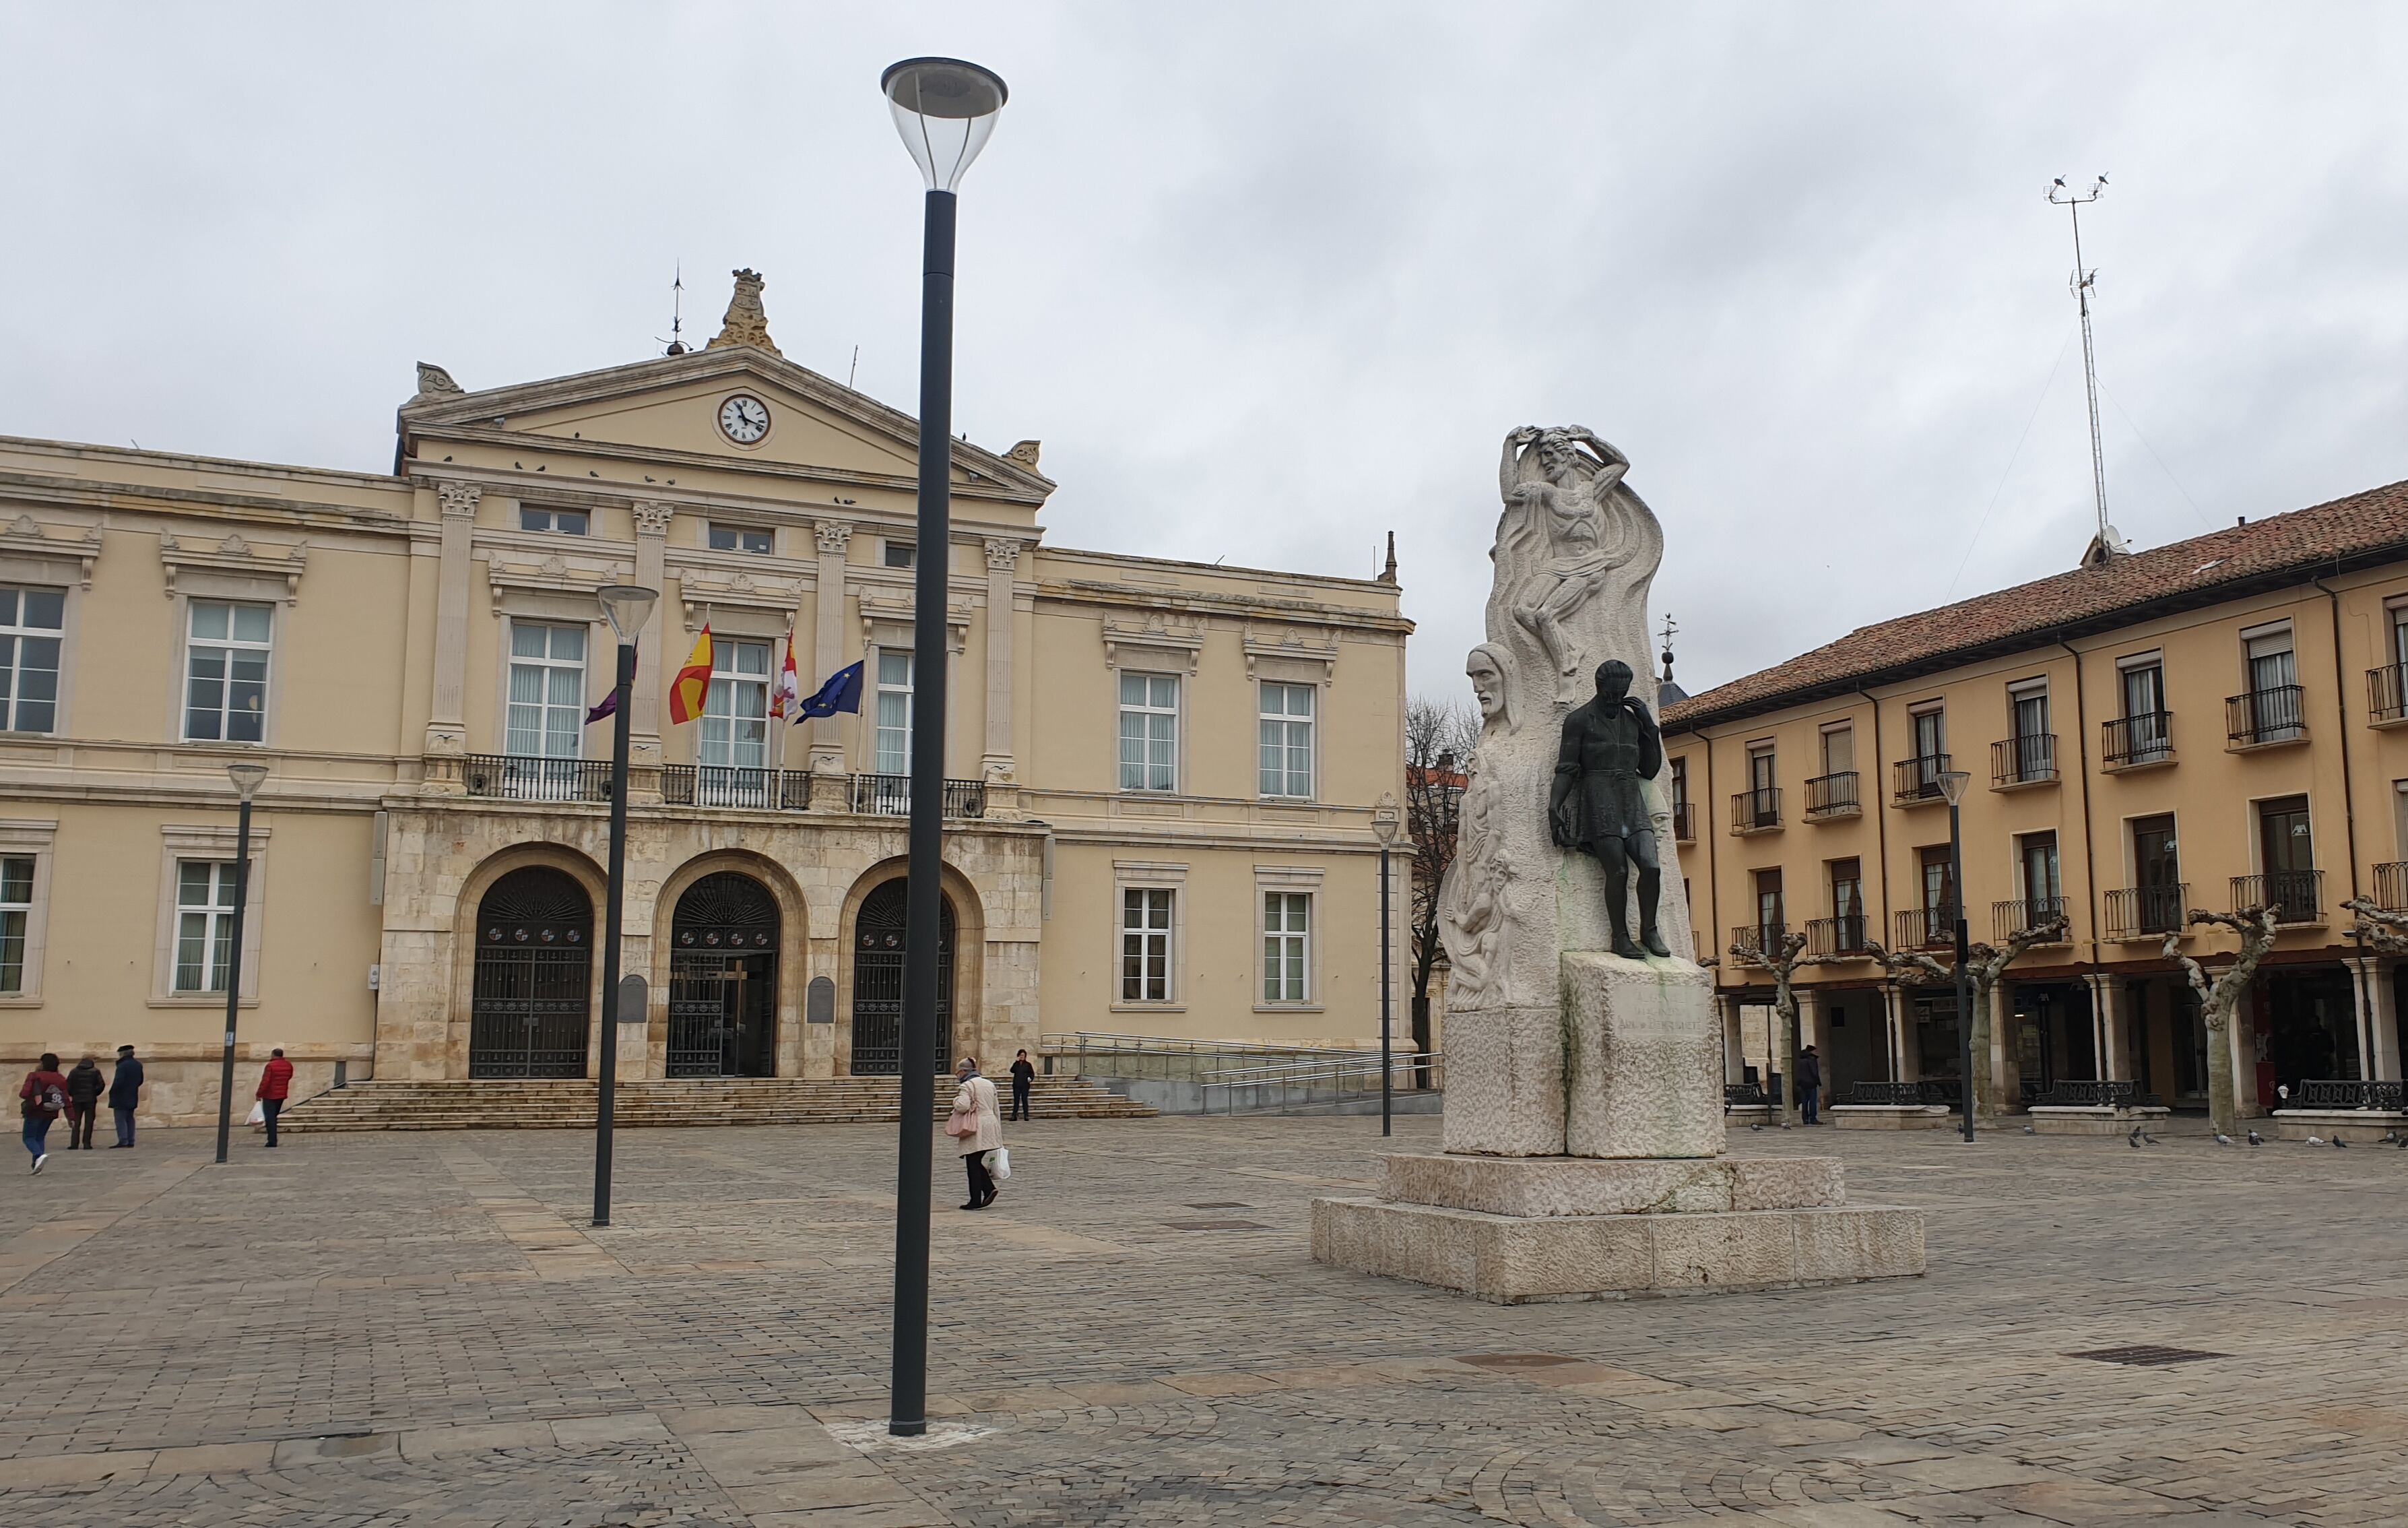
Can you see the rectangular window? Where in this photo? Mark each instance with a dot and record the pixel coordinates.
(1839, 750)
(1930, 729)
(900, 555)
(1769, 925)
(894, 711)
(559, 522)
(1939, 894)
(16, 915)
(2156, 873)
(1759, 770)
(1678, 786)
(2399, 635)
(31, 620)
(1288, 920)
(1848, 904)
(2044, 890)
(735, 709)
(1287, 739)
(2289, 856)
(2275, 693)
(1145, 945)
(546, 705)
(2145, 722)
(1148, 732)
(740, 538)
(203, 924)
(226, 672)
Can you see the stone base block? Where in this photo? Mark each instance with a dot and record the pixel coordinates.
(2090, 1119)
(1505, 1081)
(1643, 1072)
(1563, 1186)
(1511, 1259)
(2351, 1125)
(1890, 1117)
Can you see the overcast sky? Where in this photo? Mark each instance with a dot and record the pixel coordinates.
(1271, 280)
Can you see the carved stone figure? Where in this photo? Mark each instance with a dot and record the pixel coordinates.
(1475, 912)
(1598, 805)
(746, 323)
(1572, 536)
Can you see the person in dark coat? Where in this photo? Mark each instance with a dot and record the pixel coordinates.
(1024, 1077)
(125, 1094)
(84, 1087)
(1810, 1085)
(274, 1086)
(41, 1098)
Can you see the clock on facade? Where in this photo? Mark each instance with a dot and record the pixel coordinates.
(744, 419)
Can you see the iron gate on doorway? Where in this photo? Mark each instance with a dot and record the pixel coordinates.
(723, 980)
(878, 964)
(533, 977)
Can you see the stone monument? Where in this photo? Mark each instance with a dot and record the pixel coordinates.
(1583, 1124)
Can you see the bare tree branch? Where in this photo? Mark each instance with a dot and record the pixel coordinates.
(2384, 931)
(2220, 995)
(1438, 739)
(1984, 964)
(1784, 961)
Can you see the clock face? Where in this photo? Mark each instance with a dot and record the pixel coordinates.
(744, 419)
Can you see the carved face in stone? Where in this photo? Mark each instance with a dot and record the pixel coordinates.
(1612, 680)
(1556, 454)
(1488, 684)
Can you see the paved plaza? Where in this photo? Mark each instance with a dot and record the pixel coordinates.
(419, 1329)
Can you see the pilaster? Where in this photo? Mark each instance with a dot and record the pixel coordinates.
(447, 732)
(653, 663)
(997, 765)
(827, 732)
(1906, 1053)
(2378, 1032)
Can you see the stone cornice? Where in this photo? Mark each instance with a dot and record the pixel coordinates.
(235, 557)
(25, 538)
(94, 494)
(1102, 595)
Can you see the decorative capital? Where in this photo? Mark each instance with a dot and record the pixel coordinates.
(1002, 554)
(833, 535)
(459, 498)
(653, 518)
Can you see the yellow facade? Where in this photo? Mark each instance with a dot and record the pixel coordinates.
(397, 618)
(2273, 768)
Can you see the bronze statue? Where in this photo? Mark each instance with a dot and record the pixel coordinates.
(1610, 745)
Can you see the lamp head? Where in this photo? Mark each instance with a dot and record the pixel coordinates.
(245, 778)
(945, 109)
(1952, 783)
(1385, 818)
(627, 606)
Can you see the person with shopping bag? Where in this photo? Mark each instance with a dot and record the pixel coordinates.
(274, 1086)
(977, 1129)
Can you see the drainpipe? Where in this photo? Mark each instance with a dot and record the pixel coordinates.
(1703, 810)
(2349, 831)
(2089, 850)
(1881, 852)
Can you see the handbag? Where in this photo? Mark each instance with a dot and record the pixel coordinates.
(998, 1163)
(960, 1124)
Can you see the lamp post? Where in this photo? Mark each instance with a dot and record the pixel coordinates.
(627, 606)
(245, 778)
(1384, 824)
(945, 109)
(1952, 784)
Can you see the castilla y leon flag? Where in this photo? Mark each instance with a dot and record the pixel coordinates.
(788, 688)
(693, 682)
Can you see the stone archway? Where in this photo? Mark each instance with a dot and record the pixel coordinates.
(533, 976)
(879, 960)
(723, 1007)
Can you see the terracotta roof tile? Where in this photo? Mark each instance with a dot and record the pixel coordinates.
(2221, 564)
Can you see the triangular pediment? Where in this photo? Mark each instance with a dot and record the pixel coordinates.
(669, 410)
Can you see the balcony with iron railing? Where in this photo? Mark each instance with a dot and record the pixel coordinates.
(1756, 811)
(1931, 928)
(713, 785)
(1685, 829)
(2297, 896)
(2264, 718)
(890, 796)
(2135, 743)
(2392, 885)
(1832, 796)
(2386, 694)
(2019, 914)
(1918, 779)
(511, 777)
(1761, 939)
(504, 777)
(2028, 758)
(1837, 937)
(2148, 912)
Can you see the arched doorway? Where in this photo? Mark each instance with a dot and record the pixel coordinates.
(534, 961)
(877, 962)
(724, 979)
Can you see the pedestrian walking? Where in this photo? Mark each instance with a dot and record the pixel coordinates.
(44, 1098)
(1809, 1084)
(275, 1085)
(125, 1094)
(84, 1087)
(1024, 1077)
(976, 1130)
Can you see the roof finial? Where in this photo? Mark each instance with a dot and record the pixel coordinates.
(1667, 691)
(676, 310)
(746, 323)
(1388, 574)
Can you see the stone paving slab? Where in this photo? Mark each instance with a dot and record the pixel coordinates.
(358, 1331)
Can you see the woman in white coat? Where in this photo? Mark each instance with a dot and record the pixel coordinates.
(978, 1127)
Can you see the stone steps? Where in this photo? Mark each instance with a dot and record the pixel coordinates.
(571, 1104)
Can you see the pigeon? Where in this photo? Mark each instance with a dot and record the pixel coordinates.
(2315, 1140)
(2256, 1139)
(2133, 1140)
(1754, 1127)
(2339, 1145)
(2147, 1138)
(2031, 1130)
(2221, 1139)
(2391, 1138)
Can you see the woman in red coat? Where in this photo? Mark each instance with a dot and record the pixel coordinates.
(275, 1084)
(44, 1096)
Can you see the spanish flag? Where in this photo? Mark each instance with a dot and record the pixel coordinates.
(693, 682)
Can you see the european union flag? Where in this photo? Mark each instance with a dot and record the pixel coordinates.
(842, 692)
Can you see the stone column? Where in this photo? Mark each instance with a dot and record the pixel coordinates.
(1734, 1049)
(2107, 1027)
(831, 650)
(654, 663)
(1906, 1057)
(2385, 1048)
(1002, 559)
(1809, 1032)
(2006, 1066)
(447, 731)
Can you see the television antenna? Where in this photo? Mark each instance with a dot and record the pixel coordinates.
(2109, 541)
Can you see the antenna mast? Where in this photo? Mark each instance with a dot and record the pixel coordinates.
(2109, 541)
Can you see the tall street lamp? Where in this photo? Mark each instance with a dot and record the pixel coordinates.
(1383, 823)
(245, 778)
(627, 606)
(1952, 784)
(946, 110)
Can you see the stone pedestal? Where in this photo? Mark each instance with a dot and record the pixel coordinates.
(1517, 1229)
(1642, 1057)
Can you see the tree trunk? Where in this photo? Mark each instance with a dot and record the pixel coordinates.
(2223, 1112)
(1987, 1105)
(1784, 1052)
(1422, 1031)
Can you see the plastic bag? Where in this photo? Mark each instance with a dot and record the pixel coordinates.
(258, 1115)
(998, 1163)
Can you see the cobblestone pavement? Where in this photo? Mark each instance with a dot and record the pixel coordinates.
(420, 1329)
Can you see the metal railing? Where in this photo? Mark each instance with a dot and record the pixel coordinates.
(1928, 1093)
(2091, 1093)
(716, 784)
(2027, 760)
(1684, 830)
(1925, 928)
(2392, 885)
(2145, 739)
(890, 796)
(2387, 693)
(1832, 796)
(1325, 1083)
(1168, 1059)
(2148, 912)
(2349, 1093)
(2018, 914)
(2297, 896)
(2261, 716)
(1760, 939)
(1918, 779)
(1754, 811)
(1836, 936)
(513, 777)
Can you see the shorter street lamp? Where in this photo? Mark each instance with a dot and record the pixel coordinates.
(627, 607)
(1383, 823)
(1952, 784)
(245, 778)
